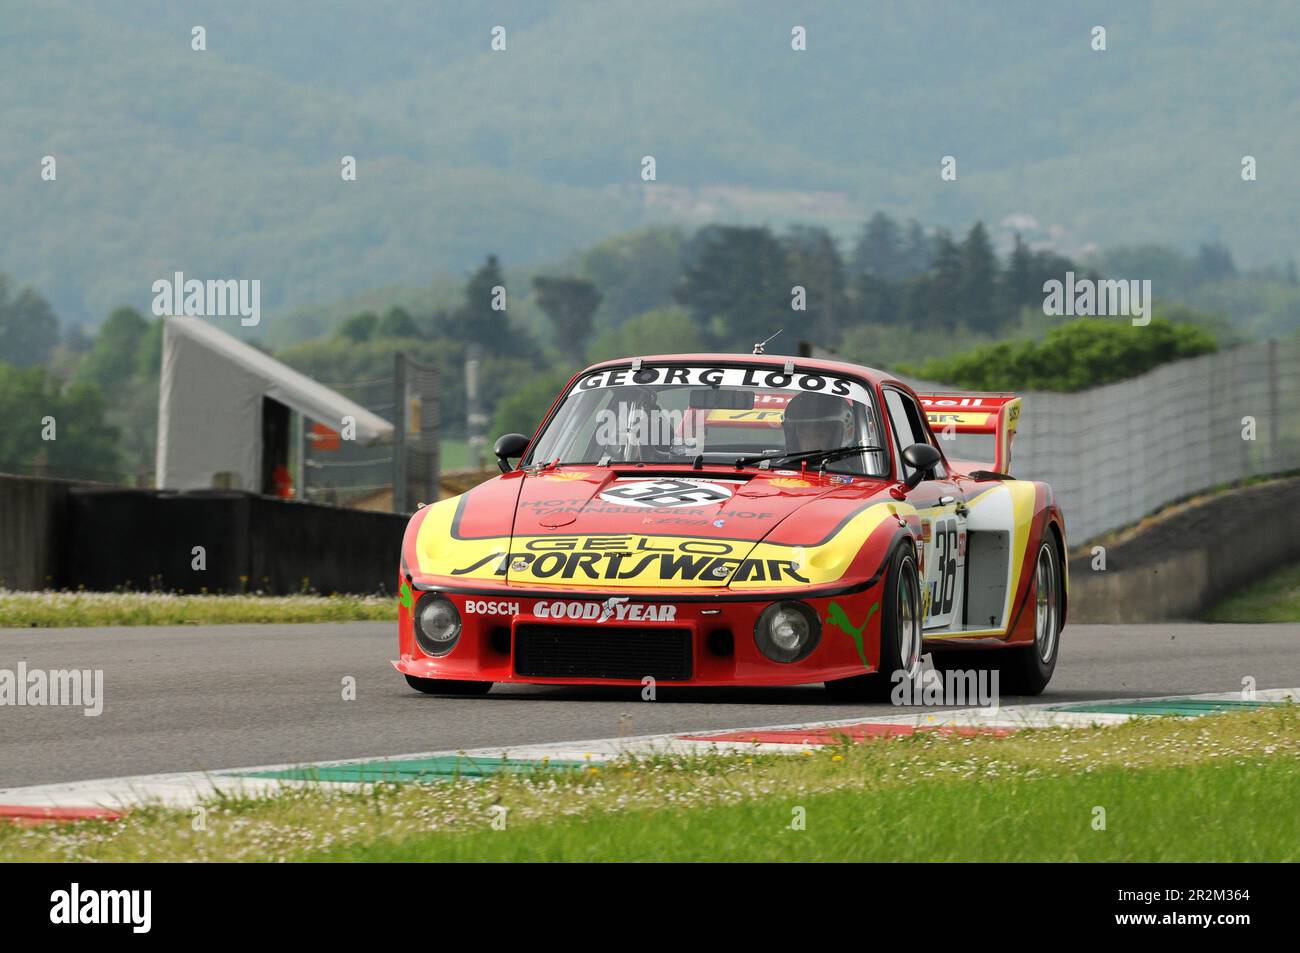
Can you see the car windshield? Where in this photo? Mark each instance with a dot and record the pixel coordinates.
(675, 414)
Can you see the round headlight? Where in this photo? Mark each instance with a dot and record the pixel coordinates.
(787, 631)
(437, 625)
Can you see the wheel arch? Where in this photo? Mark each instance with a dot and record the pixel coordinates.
(1058, 538)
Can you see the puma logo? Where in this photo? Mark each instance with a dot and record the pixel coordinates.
(835, 615)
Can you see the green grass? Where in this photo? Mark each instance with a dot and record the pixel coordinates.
(1221, 787)
(453, 454)
(1192, 813)
(55, 608)
(1275, 598)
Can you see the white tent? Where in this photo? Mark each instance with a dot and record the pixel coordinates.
(210, 406)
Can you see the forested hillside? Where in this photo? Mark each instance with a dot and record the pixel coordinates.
(227, 162)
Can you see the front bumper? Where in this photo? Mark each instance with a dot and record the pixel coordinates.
(684, 637)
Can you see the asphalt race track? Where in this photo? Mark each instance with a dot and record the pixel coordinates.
(191, 698)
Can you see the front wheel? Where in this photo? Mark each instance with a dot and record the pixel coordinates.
(900, 636)
(447, 686)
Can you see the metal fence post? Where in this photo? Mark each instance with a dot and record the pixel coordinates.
(399, 435)
(1274, 420)
(475, 419)
(430, 424)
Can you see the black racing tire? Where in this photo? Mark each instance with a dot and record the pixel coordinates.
(447, 686)
(1026, 670)
(900, 634)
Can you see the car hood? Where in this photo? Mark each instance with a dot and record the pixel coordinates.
(625, 528)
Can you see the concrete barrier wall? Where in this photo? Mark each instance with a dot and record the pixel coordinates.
(1184, 561)
(56, 534)
(147, 539)
(331, 549)
(33, 530)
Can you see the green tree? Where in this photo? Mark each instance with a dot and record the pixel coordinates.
(635, 272)
(1214, 262)
(76, 340)
(979, 281)
(84, 445)
(123, 365)
(876, 301)
(29, 329)
(397, 323)
(813, 260)
(360, 327)
(570, 303)
(934, 300)
(879, 249)
(662, 331)
(894, 345)
(918, 253)
(137, 413)
(522, 410)
(477, 322)
(150, 351)
(1165, 267)
(1019, 288)
(115, 355)
(737, 287)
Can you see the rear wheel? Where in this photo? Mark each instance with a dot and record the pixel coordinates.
(447, 686)
(900, 636)
(1026, 669)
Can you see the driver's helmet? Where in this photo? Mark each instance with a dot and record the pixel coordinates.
(817, 422)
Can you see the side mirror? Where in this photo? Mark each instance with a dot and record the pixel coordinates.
(923, 458)
(507, 446)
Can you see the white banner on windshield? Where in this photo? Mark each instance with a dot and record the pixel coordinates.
(766, 378)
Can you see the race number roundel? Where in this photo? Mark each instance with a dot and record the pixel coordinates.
(657, 494)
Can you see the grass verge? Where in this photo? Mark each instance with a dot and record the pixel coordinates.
(1223, 787)
(1188, 813)
(53, 608)
(1275, 598)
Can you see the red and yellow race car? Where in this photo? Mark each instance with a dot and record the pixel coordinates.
(721, 519)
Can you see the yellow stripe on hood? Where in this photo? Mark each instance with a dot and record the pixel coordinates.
(632, 560)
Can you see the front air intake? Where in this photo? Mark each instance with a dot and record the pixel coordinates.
(550, 651)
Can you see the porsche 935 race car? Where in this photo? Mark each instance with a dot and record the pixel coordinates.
(715, 519)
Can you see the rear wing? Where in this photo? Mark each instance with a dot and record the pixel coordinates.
(992, 416)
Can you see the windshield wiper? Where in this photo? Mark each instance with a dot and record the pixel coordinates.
(826, 456)
(769, 457)
(740, 461)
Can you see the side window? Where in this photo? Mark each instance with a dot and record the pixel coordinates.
(908, 425)
(900, 425)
